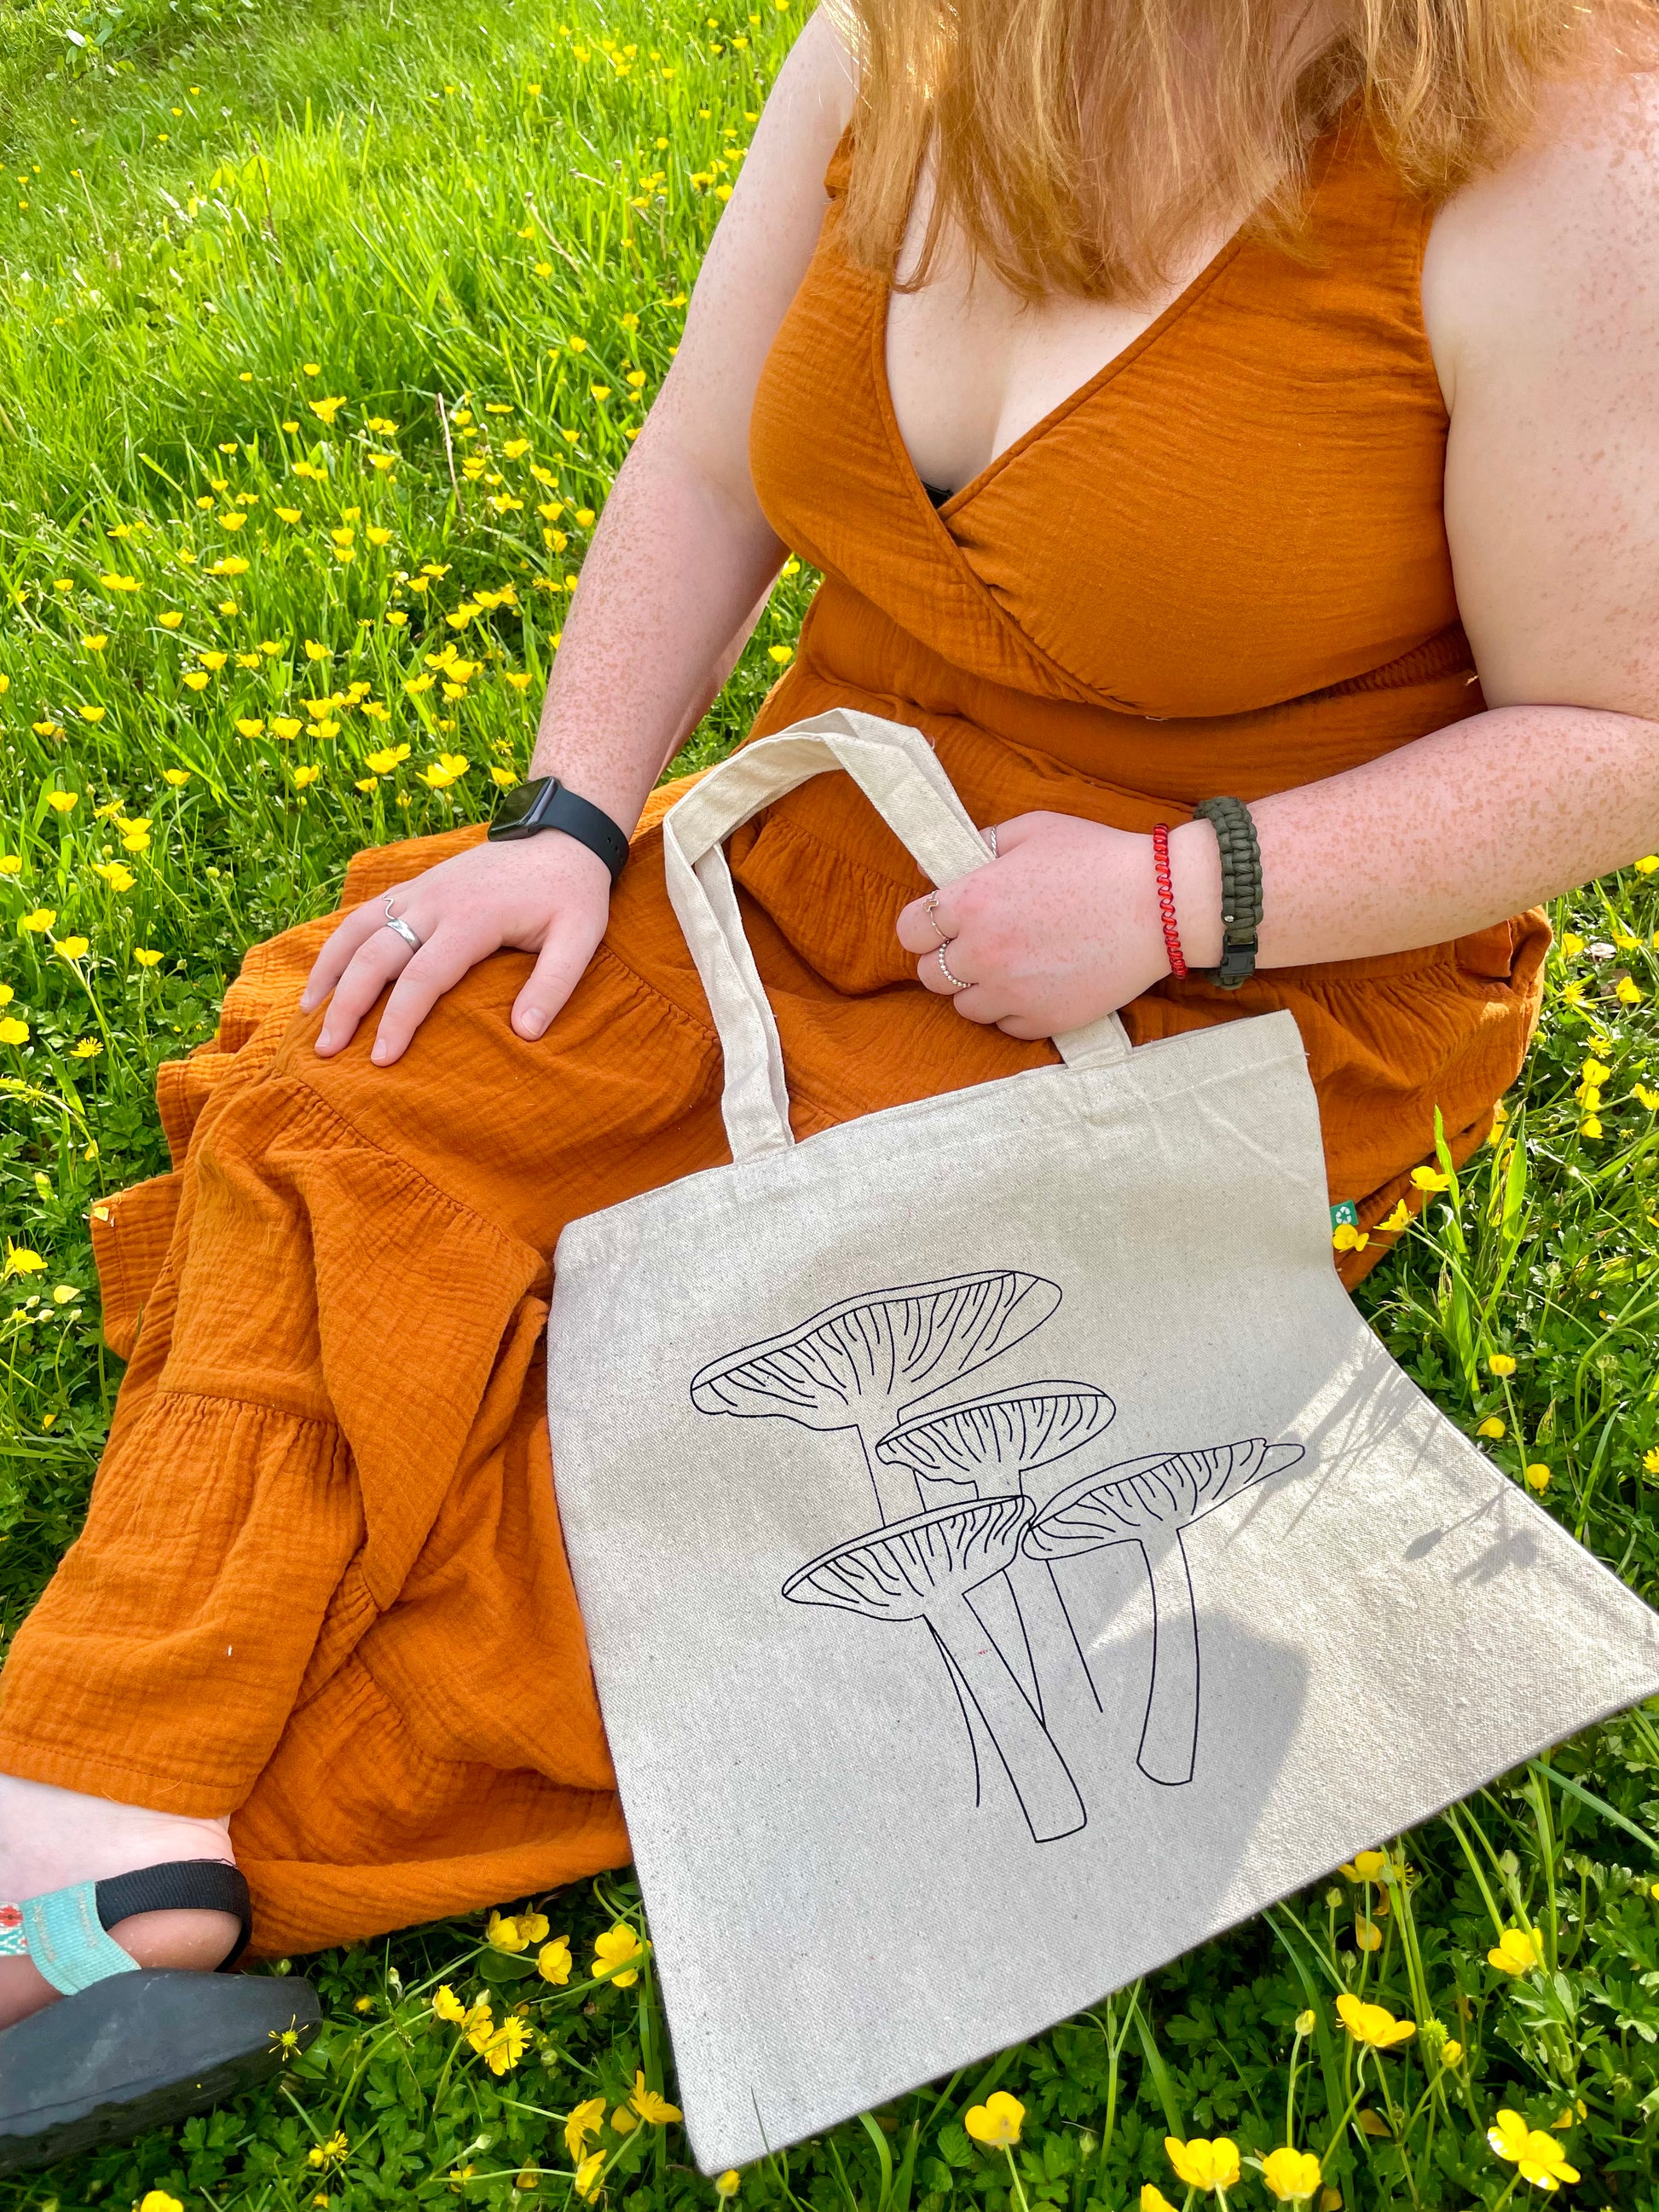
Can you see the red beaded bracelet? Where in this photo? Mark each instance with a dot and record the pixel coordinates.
(1166, 898)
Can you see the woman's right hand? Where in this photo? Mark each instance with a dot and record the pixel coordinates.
(545, 895)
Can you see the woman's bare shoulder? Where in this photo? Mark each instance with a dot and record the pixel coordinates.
(1557, 251)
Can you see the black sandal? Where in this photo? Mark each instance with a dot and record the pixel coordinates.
(130, 2047)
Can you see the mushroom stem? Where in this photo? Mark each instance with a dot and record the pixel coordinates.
(1168, 1741)
(899, 1494)
(1040, 1777)
(1044, 1610)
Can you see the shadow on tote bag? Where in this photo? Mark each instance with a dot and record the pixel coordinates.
(1008, 1556)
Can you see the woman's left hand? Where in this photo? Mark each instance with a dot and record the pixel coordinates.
(1061, 927)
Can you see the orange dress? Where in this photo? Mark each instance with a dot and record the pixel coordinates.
(321, 1581)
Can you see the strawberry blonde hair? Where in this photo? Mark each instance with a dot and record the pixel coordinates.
(1081, 145)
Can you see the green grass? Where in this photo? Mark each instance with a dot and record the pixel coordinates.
(432, 206)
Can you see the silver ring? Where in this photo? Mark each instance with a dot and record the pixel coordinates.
(955, 981)
(992, 834)
(933, 916)
(399, 928)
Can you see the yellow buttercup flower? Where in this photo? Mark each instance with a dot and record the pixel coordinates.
(727, 2185)
(157, 2200)
(326, 409)
(1373, 2024)
(1515, 1952)
(553, 1961)
(503, 1934)
(13, 1031)
(1431, 1179)
(1452, 2056)
(1492, 1427)
(1346, 1237)
(781, 653)
(384, 761)
(21, 1261)
(1152, 2198)
(1501, 1363)
(196, 679)
(250, 727)
(1290, 2175)
(73, 948)
(1203, 2164)
(39, 921)
(448, 2006)
(286, 726)
(652, 2107)
(1364, 1866)
(119, 878)
(1539, 2159)
(584, 2121)
(501, 2048)
(1536, 1476)
(62, 801)
(997, 2122)
(615, 1954)
(504, 776)
(145, 956)
(1627, 992)
(588, 2173)
(304, 777)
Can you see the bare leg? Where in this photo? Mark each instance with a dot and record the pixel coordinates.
(50, 1837)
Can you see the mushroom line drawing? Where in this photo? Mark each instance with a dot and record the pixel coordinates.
(991, 1444)
(1151, 1502)
(926, 1569)
(864, 1362)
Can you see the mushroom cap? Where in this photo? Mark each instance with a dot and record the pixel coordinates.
(1012, 1432)
(902, 1571)
(878, 1350)
(1166, 1490)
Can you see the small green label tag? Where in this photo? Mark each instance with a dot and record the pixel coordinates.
(1346, 1214)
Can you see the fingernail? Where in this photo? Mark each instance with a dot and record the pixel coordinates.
(532, 1022)
(380, 1054)
(323, 1040)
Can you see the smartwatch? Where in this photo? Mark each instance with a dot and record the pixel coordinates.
(546, 803)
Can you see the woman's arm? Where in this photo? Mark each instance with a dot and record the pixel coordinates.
(1542, 300)
(674, 581)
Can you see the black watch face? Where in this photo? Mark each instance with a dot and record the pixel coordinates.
(519, 804)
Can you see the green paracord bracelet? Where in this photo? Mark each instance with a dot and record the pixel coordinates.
(1241, 890)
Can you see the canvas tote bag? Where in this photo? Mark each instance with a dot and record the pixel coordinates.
(1008, 1557)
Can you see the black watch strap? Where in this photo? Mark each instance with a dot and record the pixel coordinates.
(1241, 890)
(546, 803)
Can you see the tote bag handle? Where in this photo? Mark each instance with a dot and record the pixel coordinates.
(896, 770)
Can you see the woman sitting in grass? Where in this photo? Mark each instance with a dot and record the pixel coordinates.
(1296, 439)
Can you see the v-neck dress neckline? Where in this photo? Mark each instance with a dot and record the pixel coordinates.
(1098, 381)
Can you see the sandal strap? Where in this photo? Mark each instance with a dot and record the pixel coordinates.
(181, 1885)
(64, 1932)
(66, 1940)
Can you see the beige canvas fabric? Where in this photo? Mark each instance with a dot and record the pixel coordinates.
(1007, 1556)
